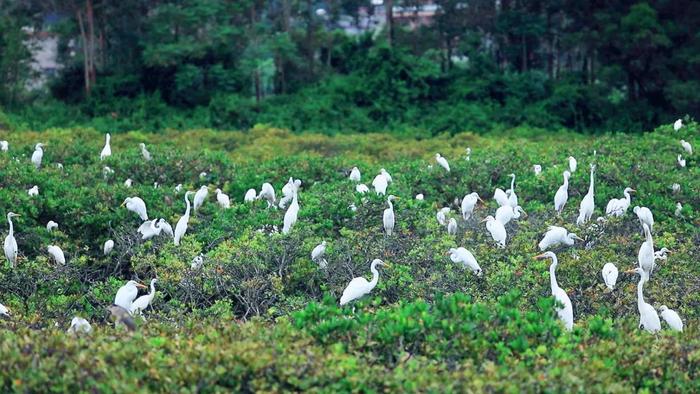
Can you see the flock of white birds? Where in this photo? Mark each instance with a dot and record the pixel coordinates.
(127, 303)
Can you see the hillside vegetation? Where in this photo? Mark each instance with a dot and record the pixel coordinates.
(259, 315)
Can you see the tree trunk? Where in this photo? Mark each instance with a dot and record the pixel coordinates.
(86, 64)
(389, 10)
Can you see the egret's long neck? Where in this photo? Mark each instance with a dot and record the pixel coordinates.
(153, 290)
(628, 198)
(512, 183)
(375, 277)
(590, 187)
(12, 228)
(391, 206)
(566, 182)
(640, 292)
(649, 239)
(187, 210)
(552, 274)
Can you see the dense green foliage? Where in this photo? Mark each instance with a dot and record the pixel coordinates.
(429, 324)
(583, 65)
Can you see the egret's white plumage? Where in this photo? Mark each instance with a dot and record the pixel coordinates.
(441, 215)
(51, 225)
(501, 197)
(10, 245)
(4, 311)
(355, 175)
(288, 191)
(34, 191)
(562, 194)
(512, 197)
(107, 247)
(386, 175)
(420, 197)
(38, 155)
(442, 162)
(380, 183)
(466, 259)
(165, 227)
(537, 169)
(497, 230)
(317, 255)
(127, 294)
(645, 257)
(507, 213)
(645, 217)
(677, 124)
(128, 182)
(681, 161)
(57, 254)
(556, 235)
(359, 287)
(676, 187)
(181, 226)
(250, 195)
(671, 317)
(588, 203)
(610, 275)
(468, 203)
(648, 318)
(136, 205)
(79, 326)
(222, 199)
(389, 218)
(565, 310)
(679, 209)
(572, 164)
(687, 147)
(107, 150)
(200, 197)
(144, 152)
(290, 217)
(452, 226)
(141, 303)
(267, 192)
(149, 229)
(361, 188)
(4, 146)
(618, 206)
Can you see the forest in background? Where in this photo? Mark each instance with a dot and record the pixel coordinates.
(323, 66)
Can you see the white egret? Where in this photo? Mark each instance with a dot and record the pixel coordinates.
(679, 209)
(57, 254)
(144, 152)
(79, 326)
(645, 257)
(361, 188)
(565, 310)
(687, 147)
(200, 196)
(618, 206)
(380, 183)
(497, 230)
(506, 213)
(359, 287)
(197, 262)
(469, 153)
(107, 150)
(420, 197)
(51, 225)
(441, 215)
(501, 197)
(452, 226)
(645, 217)
(681, 161)
(268, 193)
(671, 317)
(537, 169)
(288, 191)
(588, 203)
(355, 175)
(10, 245)
(202, 175)
(466, 259)
(610, 275)
(556, 235)
(661, 254)
(676, 187)
(317, 255)
(107, 247)
(4, 146)
(128, 182)
(572, 164)
(181, 226)
(127, 294)
(165, 227)
(677, 125)
(389, 217)
(442, 162)
(648, 318)
(34, 191)
(38, 155)
(141, 303)
(562, 194)
(512, 197)
(178, 188)
(250, 195)
(149, 229)
(222, 199)
(4, 311)
(468, 203)
(386, 174)
(136, 205)
(290, 217)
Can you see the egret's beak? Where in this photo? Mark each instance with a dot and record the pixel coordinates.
(122, 204)
(540, 257)
(141, 286)
(630, 271)
(481, 200)
(484, 220)
(578, 238)
(632, 190)
(448, 253)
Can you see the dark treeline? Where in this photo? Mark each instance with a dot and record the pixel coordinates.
(347, 65)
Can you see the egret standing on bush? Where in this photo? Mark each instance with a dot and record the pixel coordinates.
(200, 196)
(290, 217)
(355, 175)
(468, 204)
(222, 199)
(618, 206)
(57, 254)
(497, 230)
(588, 203)
(38, 155)
(107, 150)
(442, 162)
(389, 218)
(359, 287)
(610, 275)
(136, 205)
(465, 258)
(127, 294)
(566, 310)
(10, 241)
(572, 164)
(181, 226)
(556, 235)
(648, 318)
(141, 303)
(562, 194)
(144, 152)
